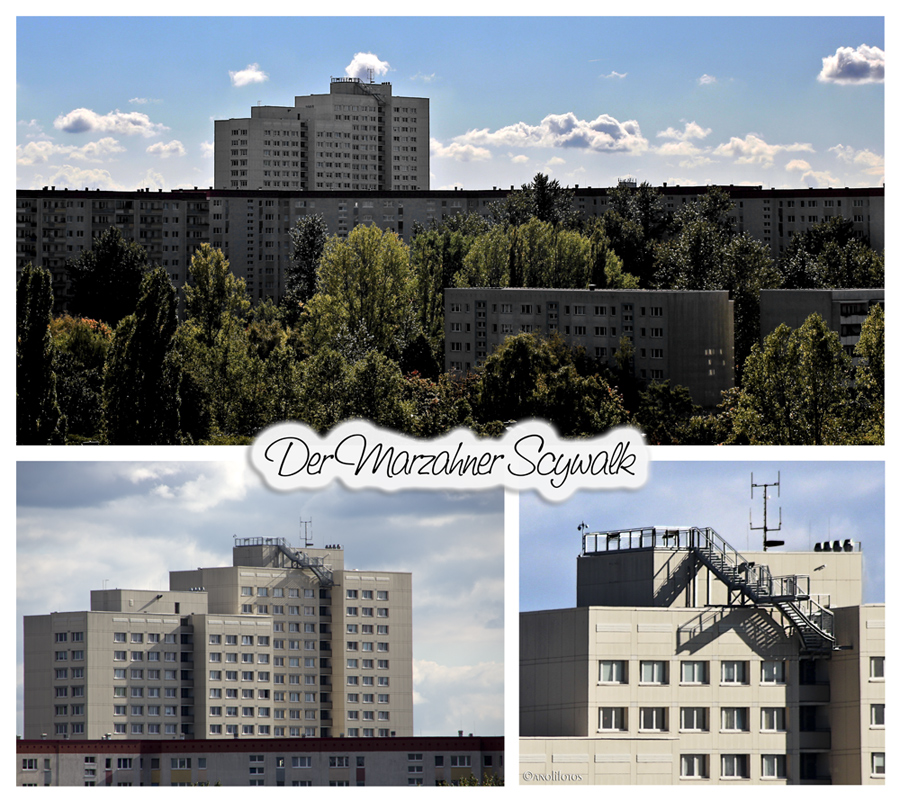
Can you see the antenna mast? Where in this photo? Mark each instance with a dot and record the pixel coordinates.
(306, 533)
(765, 528)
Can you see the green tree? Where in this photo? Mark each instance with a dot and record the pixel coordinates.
(870, 377)
(38, 417)
(308, 237)
(542, 198)
(375, 392)
(796, 389)
(635, 221)
(214, 298)
(140, 389)
(664, 413)
(106, 280)
(365, 297)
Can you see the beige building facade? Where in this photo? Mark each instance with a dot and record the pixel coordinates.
(357, 137)
(681, 666)
(284, 643)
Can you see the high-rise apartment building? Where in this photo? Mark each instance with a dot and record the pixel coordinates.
(358, 137)
(284, 643)
(686, 662)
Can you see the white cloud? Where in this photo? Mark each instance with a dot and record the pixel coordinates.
(142, 101)
(362, 63)
(71, 177)
(555, 161)
(166, 149)
(814, 179)
(706, 80)
(33, 128)
(422, 77)
(865, 160)
(797, 165)
(459, 152)
(518, 159)
(848, 66)
(448, 698)
(691, 131)
(615, 74)
(752, 149)
(207, 149)
(153, 180)
(82, 120)
(249, 75)
(43, 150)
(605, 134)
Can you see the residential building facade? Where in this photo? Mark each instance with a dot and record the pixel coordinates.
(686, 662)
(284, 643)
(251, 225)
(686, 337)
(322, 762)
(358, 137)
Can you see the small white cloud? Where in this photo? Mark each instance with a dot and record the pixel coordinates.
(797, 165)
(207, 149)
(865, 160)
(518, 159)
(70, 177)
(362, 64)
(167, 149)
(555, 161)
(615, 74)
(249, 75)
(691, 131)
(706, 80)
(40, 152)
(752, 149)
(422, 77)
(848, 66)
(459, 152)
(142, 101)
(815, 179)
(127, 123)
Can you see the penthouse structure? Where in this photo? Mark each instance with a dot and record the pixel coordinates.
(686, 337)
(358, 137)
(285, 643)
(687, 662)
(251, 224)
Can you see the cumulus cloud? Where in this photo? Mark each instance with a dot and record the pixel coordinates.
(40, 152)
(706, 80)
(605, 134)
(72, 177)
(691, 131)
(814, 179)
(207, 149)
(518, 159)
(797, 165)
(249, 75)
(362, 63)
(127, 123)
(166, 149)
(448, 698)
(865, 160)
(33, 128)
(459, 152)
(848, 66)
(752, 149)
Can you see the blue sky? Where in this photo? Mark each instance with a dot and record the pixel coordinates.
(79, 524)
(819, 501)
(120, 103)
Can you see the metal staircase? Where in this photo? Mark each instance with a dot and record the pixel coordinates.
(789, 594)
(314, 563)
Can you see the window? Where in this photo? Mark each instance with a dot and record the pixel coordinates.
(773, 766)
(735, 766)
(734, 673)
(694, 766)
(876, 667)
(876, 715)
(734, 718)
(612, 671)
(878, 764)
(653, 718)
(772, 672)
(339, 762)
(694, 718)
(772, 718)
(694, 672)
(613, 718)
(653, 672)
(461, 761)
(301, 762)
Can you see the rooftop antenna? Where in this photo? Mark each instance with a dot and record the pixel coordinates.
(371, 74)
(765, 528)
(306, 533)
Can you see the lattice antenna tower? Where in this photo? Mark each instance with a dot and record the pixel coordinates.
(765, 527)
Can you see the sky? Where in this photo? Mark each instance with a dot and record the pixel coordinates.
(85, 525)
(784, 102)
(819, 500)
